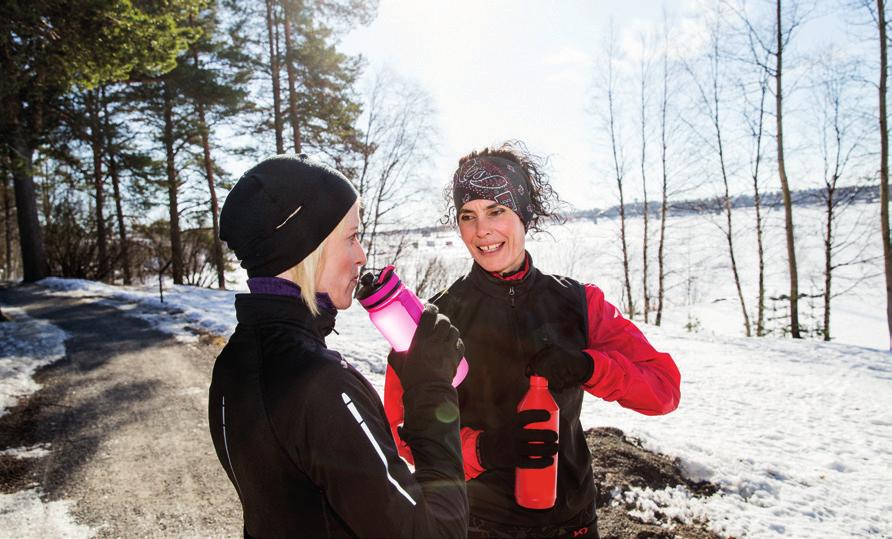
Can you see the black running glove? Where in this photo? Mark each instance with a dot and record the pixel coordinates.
(513, 446)
(563, 368)
(434, 353)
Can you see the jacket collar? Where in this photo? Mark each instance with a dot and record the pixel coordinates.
(253, 309)
(501, 288)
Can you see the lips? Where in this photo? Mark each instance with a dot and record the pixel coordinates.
(489, 249)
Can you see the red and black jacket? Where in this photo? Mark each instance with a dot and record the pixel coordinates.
(504, 323)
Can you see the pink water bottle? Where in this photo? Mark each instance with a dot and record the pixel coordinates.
(537, 488)
(395, 311)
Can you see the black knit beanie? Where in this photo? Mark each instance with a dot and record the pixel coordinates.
(281, 210)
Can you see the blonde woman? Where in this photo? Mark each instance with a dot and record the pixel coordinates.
(302, 434)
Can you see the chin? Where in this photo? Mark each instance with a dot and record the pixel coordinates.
(493, 265)
(342, 303)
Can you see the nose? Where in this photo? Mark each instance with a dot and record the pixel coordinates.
(482, 228)
(362, 258)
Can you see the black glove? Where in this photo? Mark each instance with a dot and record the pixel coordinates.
(433, 354)
(563, 368)
(513, 446)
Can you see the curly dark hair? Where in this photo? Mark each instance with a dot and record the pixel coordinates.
(543, 198)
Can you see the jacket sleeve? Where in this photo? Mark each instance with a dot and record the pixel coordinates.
(393, 408)
(348, 452)
(627, 369)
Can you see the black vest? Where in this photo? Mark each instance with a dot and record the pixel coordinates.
(503, 325)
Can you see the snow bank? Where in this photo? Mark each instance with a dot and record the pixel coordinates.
(184, 309)
(188, 308)
(26, 344)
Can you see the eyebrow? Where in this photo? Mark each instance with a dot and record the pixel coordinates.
(491, 206)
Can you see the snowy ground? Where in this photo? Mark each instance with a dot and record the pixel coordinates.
(798, 435)
(27, 344)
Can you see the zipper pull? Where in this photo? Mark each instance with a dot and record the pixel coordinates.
(511, 295)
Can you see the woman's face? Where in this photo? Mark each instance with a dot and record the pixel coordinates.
(342, 257)
(493, 234)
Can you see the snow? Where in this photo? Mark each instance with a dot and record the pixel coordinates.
(25, 514)
(26, 344)
(32, 452)
(185, 309)
(797, 435)
(674, 504)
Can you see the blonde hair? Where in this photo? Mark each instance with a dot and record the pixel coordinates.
(305, 272)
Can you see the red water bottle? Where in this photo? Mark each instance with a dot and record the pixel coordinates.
(537, 489)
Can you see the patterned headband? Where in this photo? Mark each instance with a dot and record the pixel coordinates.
(493, 178)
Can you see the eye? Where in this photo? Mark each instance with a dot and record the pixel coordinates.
(495, 212)
(465, 217)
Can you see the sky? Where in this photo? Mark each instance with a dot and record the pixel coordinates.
(527, 70)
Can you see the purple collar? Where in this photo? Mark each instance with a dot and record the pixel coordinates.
(276, 286)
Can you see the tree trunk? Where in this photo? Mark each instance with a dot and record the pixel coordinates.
(292, 80)
(729, 236)
(760, 308)
(785, 186)
(116, 190)
(176, 246)
(219, 262)
(102, 269)
(644, 190)
(34, 263)
(712, 103)
(7, 227)
(757, 201)
(884, 165)
(273, 36)
(627, 281)
(664, 202)
(828, 263)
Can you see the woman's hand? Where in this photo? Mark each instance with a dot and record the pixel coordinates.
(563, 368)
(434, 353)
(514, 446)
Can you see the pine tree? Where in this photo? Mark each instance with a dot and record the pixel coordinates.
(215, 75)
(49, 46)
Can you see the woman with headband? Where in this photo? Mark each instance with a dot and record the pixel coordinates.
(301, 433)
(516, 320)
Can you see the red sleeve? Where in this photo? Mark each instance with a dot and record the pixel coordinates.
(473, 468)
(393, 409)
(627, 368)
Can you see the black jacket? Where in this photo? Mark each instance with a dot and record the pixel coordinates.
(503, 325)
(303, 437)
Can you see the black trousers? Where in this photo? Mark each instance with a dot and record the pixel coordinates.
(479, 528)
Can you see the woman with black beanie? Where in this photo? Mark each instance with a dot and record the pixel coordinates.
(516, 320)
(301, 434)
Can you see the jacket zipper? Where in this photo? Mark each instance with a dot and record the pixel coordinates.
(511, 295)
